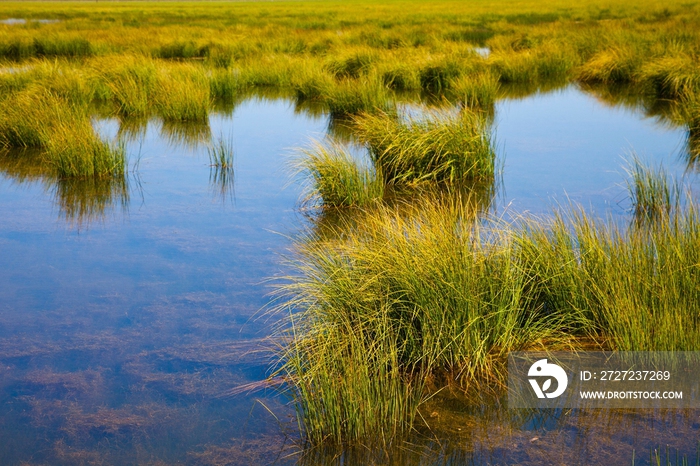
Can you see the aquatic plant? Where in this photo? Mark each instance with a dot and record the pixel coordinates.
(405, 296)
(404, 300)
(41, 119)
(349, 97)
(337, 178)
(182, 95)
(652, 194)
(436, 147)
(478, 90)
(131, 83)
(221, 153)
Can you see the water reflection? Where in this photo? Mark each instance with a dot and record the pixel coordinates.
(81, 201)
(134, 330)
(456, 432)
(693, 148)
(132, 129)
(221, 180)
(187, 135)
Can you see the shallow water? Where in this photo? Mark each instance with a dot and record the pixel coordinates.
(13, 21)
(569, 146)
(128, 312)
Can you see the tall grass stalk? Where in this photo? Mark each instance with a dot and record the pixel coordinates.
(222, 173)
(221, 153)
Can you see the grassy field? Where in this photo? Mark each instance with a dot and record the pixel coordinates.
(404, 294)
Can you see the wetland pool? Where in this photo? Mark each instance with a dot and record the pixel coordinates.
(129, 314)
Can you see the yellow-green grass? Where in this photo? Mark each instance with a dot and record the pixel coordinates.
(439, 146)
(404, 45)
(652, 193)
(401, 300)
(41, 119)
(220, 153)
(336, 178)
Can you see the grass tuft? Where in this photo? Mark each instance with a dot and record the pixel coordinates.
(439, 147)
(338, 179)
(652, 194)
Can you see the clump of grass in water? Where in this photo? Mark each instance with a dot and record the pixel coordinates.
(183, 96)
(437, 76)
(439, 147)
(653, 195)
(221, 154)
(398, 297)
(63, 130)
(350, 97)
(479, 90)
(221, 162)
(131, 82)
(338, 180)
(405, 296)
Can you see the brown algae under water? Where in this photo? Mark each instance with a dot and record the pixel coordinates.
(129, 309)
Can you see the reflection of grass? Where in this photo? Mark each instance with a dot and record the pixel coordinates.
(184, 133)
(84, 201)
(81, 200)
(221, 174)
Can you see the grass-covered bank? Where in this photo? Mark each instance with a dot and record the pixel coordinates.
(348, 56)
(136, 60)
(63, 131)
(404, 300)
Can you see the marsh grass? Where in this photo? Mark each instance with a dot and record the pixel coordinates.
(337, 179)
(131, 82)
(410, 295)
(183, 96)
(221, 163)
(477, 90)
(351, 97)
(41, 119)
(76, 151)
(437, 76)
(437, 147)
(46, 47)
(653, 194)
(220, 153)
(404, 300)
